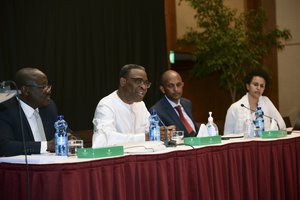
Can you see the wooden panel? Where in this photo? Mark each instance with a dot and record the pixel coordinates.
(205, 93)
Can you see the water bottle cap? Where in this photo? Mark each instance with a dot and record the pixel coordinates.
(60, 117)
(210, 118)
(153, 112)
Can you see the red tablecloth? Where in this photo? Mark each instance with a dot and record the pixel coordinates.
(247, 170)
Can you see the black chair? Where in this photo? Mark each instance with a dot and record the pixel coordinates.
(287, 121)
(86, 136)
(297, 122)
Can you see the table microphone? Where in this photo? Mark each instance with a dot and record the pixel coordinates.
(242, 105)
(167, 143)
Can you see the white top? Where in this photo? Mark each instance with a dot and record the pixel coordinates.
(116, 122)
(237, 115)
(29, 113)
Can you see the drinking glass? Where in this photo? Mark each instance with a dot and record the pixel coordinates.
(73, 145)
(177, 136)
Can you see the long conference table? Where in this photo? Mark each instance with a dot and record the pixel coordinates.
(235, 169)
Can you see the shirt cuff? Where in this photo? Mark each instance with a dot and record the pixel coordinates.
(139, 137)
(43, 146)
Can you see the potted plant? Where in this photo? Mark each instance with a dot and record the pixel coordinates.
(229, 43)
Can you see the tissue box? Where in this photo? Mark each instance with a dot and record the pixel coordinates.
(198, 141)
(100, 152)
(274, 134)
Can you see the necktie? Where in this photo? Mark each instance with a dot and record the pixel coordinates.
(183, 119)
(39, 125)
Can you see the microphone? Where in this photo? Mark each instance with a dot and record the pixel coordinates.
(242, 105)
(167, 143)
(5, 92)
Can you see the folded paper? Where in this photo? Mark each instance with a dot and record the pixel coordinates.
(202, 131)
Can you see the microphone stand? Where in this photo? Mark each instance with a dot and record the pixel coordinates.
(242, 105)
(167, 143)
(23, 136)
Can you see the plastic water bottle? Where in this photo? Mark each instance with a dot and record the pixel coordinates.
(212, 128)
(154, 129)
(259, 122)
(61, 137)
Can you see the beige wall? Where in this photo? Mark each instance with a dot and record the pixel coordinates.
(287, 16)
(185, 14)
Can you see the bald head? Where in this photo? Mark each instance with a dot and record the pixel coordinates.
(172, 85)
(28, 76)
(169, 74)
(34, 87)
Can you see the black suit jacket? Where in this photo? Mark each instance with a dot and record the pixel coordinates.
(11, 133)
(169, 116)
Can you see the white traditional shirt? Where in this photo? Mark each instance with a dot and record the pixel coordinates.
(116, 122)
(237, 115)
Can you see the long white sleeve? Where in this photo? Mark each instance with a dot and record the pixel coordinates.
(116, 122)
(237, 115)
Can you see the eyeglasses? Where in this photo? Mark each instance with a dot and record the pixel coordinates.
(43, 87)
(140, 81)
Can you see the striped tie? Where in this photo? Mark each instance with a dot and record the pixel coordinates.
(183, 120)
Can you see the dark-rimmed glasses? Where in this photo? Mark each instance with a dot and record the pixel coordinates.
(43, 87)
(140, 81)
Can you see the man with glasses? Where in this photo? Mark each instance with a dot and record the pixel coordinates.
(122, 116)
(172, 108)
(38, 113)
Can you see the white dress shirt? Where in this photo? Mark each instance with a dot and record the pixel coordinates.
(116, 122)
(237, 115)
(29, 113)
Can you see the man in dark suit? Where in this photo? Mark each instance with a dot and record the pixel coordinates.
(173, 109)
(35, 103)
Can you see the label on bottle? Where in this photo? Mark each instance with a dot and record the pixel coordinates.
(154, 129)
(154, 133)
(259, 125)
(211, 130)
(61, 146)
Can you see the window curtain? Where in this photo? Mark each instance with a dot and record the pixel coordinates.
(81, 46)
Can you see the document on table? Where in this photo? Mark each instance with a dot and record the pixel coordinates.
(34, 159)
(144, 147)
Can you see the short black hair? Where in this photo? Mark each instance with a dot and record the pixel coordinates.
(25, 76)
(257, 72)
(126, 69)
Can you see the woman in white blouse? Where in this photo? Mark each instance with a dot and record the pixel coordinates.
(237, 114)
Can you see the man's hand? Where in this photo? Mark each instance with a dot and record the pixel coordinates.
(147, 136)
(169, 129)
(71, 137)
(51, 145)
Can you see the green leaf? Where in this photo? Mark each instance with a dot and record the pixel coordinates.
(229, 43)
